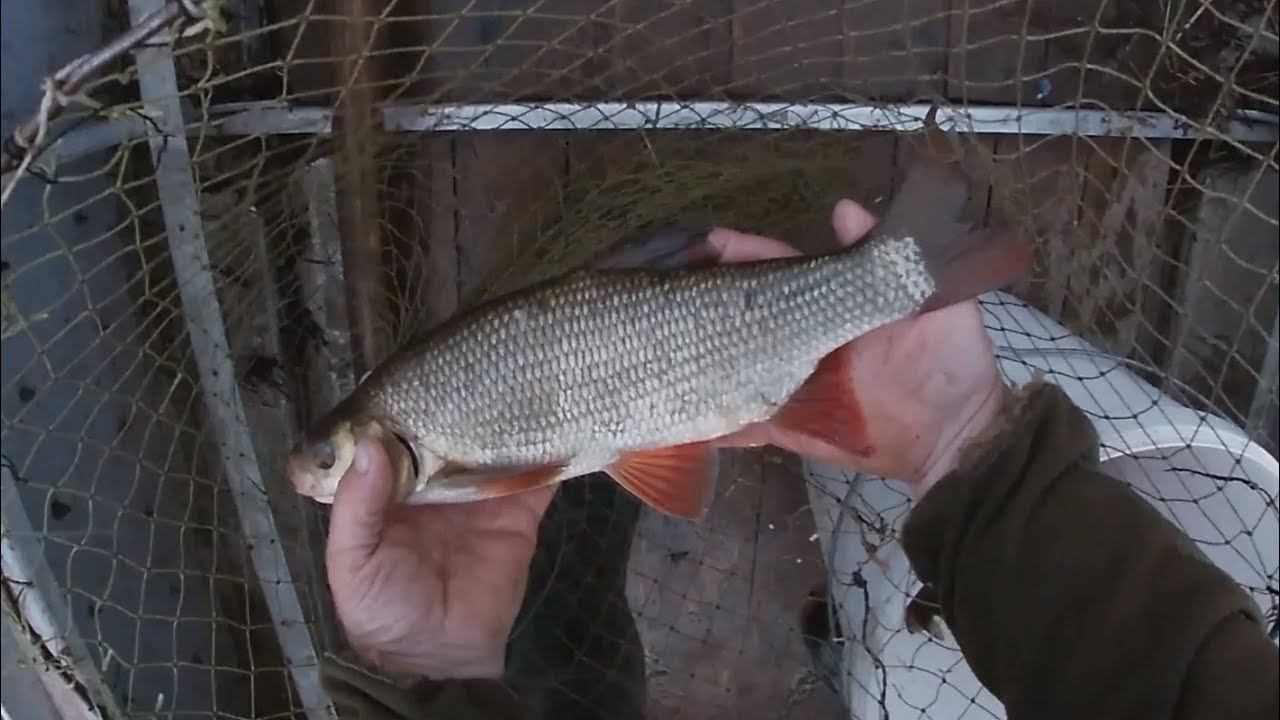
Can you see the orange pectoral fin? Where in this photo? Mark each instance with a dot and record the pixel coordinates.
(826, 407)
(678, 480)
(498, 481)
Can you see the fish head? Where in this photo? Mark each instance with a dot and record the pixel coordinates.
(326, 451)
(321, 457)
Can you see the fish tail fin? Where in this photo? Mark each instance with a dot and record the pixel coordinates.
(964, 262)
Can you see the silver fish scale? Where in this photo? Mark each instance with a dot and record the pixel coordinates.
(602, 362)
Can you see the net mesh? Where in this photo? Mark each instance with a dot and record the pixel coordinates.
(1155, 279)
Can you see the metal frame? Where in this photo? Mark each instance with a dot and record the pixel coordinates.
(37, 619)
(274, 118)
(894, 117)
(157, 81)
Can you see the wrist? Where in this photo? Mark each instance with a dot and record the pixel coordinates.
(977, 422)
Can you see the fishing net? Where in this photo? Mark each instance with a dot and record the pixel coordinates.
(222, 213)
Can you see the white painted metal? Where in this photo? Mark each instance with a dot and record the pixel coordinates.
(38, 618)
(180, 206)
(899, 117)
(273, 118)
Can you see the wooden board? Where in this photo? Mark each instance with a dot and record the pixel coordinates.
(991, 58)
(792, 50)
(1041, 189)
(1083, 66)
(484, 50)
(1120, 295)
(508, 188)
(882, 49)
(669, 49)
(435, 204)
(789, 564)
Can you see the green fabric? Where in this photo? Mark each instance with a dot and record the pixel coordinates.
(1071, 597)
(361, 695)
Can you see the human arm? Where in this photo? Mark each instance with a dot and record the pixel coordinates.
(1069, 595)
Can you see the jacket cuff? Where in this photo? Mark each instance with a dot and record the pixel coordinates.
(1038, 407)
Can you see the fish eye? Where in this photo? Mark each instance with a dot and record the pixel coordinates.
(323, 454)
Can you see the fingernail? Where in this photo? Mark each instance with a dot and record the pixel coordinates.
(364, 458)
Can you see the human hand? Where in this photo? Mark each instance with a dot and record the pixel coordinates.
(927, 385)
(428, 590)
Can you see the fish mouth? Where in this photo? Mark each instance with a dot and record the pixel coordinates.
(306, 482)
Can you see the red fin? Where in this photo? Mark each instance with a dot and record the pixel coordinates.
(974, 263)
(826, 408)
(677, 480)
(497, 481)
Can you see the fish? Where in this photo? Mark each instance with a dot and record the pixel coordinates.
(635, 364)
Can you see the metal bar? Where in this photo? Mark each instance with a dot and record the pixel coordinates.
(273, 118)
(34, 605)
(1264, 395)
(702, 115)
(33, 690)
(323, 284)
(157, 81)
(66, 82)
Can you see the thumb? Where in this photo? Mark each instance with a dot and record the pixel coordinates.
(360, 504)
(851, 221)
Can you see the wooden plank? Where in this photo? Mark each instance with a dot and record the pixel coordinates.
(435, 203)
(508, 187)
(789, 564)
(358, 130)
(895, 50)
(1039, 192)
(551, 50)
(1228, 294)
(689, 586)
(669, 49)
(991, 58)
(789, 50)
(471, 50)
(1078, 57)
(1123, 298)
(300, 36)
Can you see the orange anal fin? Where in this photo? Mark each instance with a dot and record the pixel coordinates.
(498, 481)
(826, 407)
(678, 480)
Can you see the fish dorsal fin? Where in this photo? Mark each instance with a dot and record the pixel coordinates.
(826, 407)
(678, 480)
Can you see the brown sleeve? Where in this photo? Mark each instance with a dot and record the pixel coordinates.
(1071, 597)
(359, 694)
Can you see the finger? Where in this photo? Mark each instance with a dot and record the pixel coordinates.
(675, 246)
(851, 221)
(734, 246)
(360, 504)
(538, 500)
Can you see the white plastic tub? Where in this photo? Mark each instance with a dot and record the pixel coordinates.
(1200, 471)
